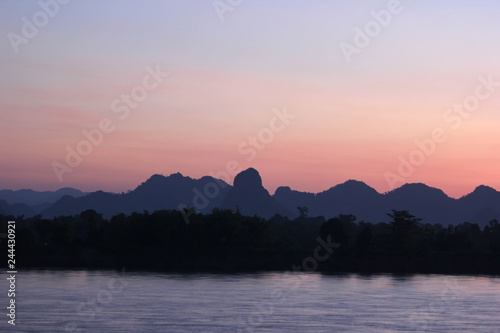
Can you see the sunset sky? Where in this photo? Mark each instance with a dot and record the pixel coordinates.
(231, 70)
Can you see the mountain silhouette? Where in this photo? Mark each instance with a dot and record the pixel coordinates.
(35, 198)
(16, 209)
(480, 206)
(352, 197)
(293, 199)
(29, 203)
(429, 203)
(158, 192)
(249, 196)
(4, 207)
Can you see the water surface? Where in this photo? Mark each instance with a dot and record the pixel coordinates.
(109, 301)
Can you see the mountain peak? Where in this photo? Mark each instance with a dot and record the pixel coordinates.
(352, 186)
(283, 190)
(250, 197)
(484, 189)
(156, 177)
(249, 178)
(176, 175)
(418, 190)
(353, 182)
(481, 192)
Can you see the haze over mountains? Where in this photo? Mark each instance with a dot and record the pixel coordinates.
(249, 197)
(29, 202)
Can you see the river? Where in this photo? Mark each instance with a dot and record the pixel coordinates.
(109, 301)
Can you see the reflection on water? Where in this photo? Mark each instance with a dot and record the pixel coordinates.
(107, 301)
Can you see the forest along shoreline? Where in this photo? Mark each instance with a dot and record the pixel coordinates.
(226, 241)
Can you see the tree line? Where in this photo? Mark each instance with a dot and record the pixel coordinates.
(226, 240)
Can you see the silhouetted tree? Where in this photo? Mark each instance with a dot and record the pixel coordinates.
(303, 211)
(405, 229)
(364, 241)
(339, 228)
(225, 239)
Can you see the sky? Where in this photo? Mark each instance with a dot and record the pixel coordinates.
(100, 95)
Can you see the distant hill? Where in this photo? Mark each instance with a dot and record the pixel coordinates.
(29, 202)
(430, 204)
(34, 198)
(480, 206)
(250, 197)
(158, 192)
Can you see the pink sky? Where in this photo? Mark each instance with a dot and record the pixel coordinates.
(352, 120)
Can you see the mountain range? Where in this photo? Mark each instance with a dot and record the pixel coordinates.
(29, 202)
(248, 196)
